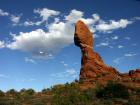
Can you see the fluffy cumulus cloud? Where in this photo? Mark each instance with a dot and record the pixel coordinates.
(74, 16)
(59, 33)
(3, 13)
(104, 26)
(41, 43)
(15, 19)
(45, 13)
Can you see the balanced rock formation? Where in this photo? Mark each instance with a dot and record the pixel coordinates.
(92, 65)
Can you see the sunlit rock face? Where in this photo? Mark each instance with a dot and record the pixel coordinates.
(92, 65)
(82, 35)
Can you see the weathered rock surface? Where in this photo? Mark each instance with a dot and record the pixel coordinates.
(82, 35)
(92, 65)
(133, 75)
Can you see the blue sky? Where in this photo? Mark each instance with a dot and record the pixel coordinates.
(36, 39)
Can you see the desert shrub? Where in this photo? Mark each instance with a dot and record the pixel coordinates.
(26, 95)
(1, 93)
(70, 94)
(12, 93)
(9, 102)
(138, 91)
(46, 91)
(76, 80)
(113, 90)
(90, 94)
(30, 92)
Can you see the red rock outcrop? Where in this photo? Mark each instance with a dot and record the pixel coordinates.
(92, 65)
(93, 69)
(133, 75)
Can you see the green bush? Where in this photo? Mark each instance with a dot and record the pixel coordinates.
(138, 91)
(1, 93)
(70, 94)
(113, 90)
(30, 92)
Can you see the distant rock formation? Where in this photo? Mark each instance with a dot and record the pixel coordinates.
(133, 75)
(92, 65)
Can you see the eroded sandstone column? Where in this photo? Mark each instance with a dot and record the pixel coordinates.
(92, 64)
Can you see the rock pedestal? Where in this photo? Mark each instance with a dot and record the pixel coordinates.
(92, 65)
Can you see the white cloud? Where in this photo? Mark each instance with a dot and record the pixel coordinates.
(120, 46)
(15, 19)
(30, 23)
(96, 17)
(45, 13)
(118, 60)
(91, 21)
(130, 54)
(65, 64)
(95, 36)
(3, 13)
(115, 37)
(41, 43)
(136, 18)
(127, 38)
(59, 35)
(29, 60)
(2, 44)
(74, 16)
(102, 44)
(127, 55)
(104, 26)
(66, 74)
(71, 71)
(60, 32)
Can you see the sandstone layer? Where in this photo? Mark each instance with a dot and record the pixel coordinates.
(92, 65)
